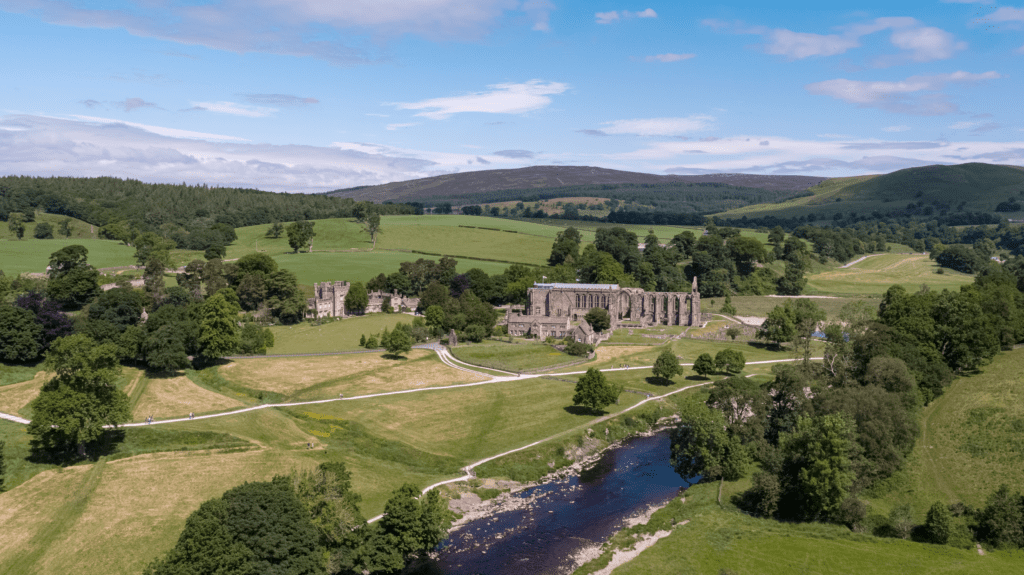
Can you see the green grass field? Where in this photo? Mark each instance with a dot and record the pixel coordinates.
(725, 541)
(32, 255)
(79, 229)
(362, 266)
(971, 441)
(332, 335)
(759, 306)
(876, 274)
(454, 235)
(512, 357)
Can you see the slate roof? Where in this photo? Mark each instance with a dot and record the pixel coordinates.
(586, 327)
(576, 286)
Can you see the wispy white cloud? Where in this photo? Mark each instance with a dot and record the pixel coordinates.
(919, 43)
(91, 146)
(280, 99)
(745, 154)
(516, 154)
(130, 104)
(399, 126)
(233, 109)
(539, 12)
(800, 45)
(976, 127)
(501, 99)
(334, 31)
(660, 126)
(895, 129)
(618, 15)
(668, 57)
(160, 130)
(901, 96)
(925, 44)
(1006, 14)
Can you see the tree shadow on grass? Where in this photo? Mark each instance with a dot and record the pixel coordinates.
(658, 381)
(582, 410)
(696, 378)
(104, 446)
(395, 356)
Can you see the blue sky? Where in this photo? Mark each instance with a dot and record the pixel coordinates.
(307, 95)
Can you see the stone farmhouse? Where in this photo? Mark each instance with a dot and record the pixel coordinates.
(329, 300)
(557, 310)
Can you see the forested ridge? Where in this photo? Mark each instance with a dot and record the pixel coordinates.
(675, 197)
(150, 207)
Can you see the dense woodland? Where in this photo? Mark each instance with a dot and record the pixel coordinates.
(193, 217)
(822, 433)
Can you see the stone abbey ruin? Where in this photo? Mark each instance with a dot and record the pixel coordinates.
(554, 308)
(329, 300)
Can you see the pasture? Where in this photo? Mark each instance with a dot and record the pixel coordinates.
(32, 256)
(513, 357)
(79, 229)
(332, 334)
(723, 540)
(468, 237)
(874, 275)
(362, 266)
(324, 377)
(971, 441)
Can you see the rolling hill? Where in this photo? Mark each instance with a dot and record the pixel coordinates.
(471, 186)
(927, 191)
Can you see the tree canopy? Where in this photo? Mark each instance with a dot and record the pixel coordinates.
(73, 407)
(593, 390)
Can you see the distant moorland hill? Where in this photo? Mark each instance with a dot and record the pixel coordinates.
(468, 186)
(928, 191)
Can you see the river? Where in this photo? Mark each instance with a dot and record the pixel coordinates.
(557, 520)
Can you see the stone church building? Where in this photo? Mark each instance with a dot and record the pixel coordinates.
(553, 309)
(329, 300)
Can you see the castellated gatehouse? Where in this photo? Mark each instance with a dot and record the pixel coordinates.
(627, 306)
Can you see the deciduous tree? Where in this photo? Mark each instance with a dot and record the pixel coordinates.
(217, 332)
(701, 446)
(704, 364)
(599, 319)
(730, 361)
(667, 365)
(300, 233)
(21, 337)
(356, 299)
(73, 407)
(594, 391)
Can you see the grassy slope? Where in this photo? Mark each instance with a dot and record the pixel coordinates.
(340, 335)
(435, 234)
(972, 440)
(512, 357)
(32, 255)
(79, 229)
(980, 186)
(362, 266)
(718, 540)
(876, 274)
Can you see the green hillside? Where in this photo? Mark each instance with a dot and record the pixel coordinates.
(924, 192)
(980, 187)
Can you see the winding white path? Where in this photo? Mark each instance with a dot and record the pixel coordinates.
(448, 359)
